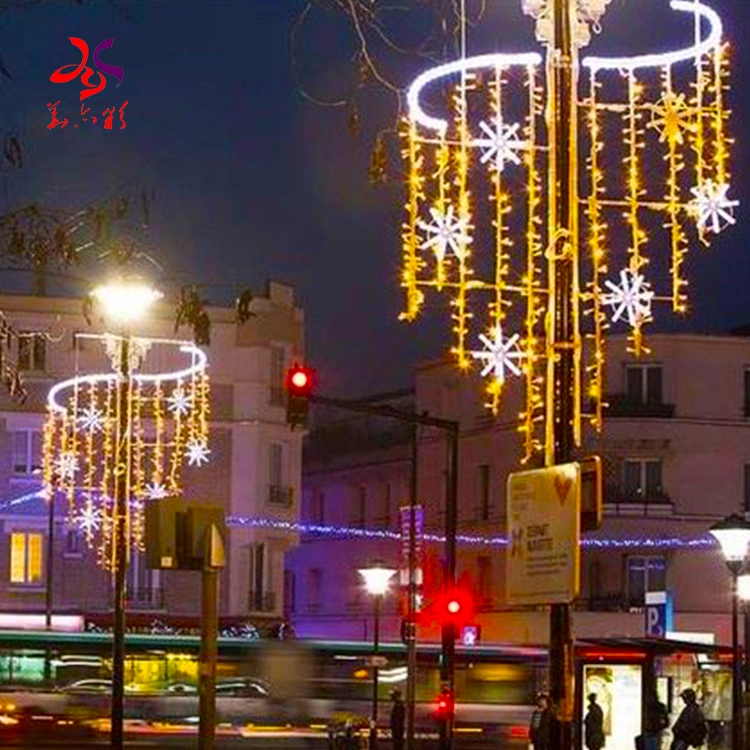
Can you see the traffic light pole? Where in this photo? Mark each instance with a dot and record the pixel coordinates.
(411, 627)
(452, 430)
(561, 320)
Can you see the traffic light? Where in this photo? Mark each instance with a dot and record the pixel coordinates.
(456, 608)
(445, 705)
(298, 383)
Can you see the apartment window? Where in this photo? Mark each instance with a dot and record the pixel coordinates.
(290, 591)
(279, 492)
(318, 507)
(26, 557)
(359, 509)
(276, 375)
(257, 596)
(642, 479)
(73, 547)
(747, 391)
(314, 588)
(27, 452)
(643, 384)
(32, 350)
(484, 479)
(644, 575)
(384, 517)
(142, 584)
(484, 576)
(747, 488)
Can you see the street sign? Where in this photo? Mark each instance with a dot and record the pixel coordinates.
(470, 635)
(659, 614)
(544, 526)
(405, 513)
(377, 661)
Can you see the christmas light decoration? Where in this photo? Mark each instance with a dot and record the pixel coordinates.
(480, 237)
(86, 450)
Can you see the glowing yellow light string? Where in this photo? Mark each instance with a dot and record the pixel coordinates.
(410, 237)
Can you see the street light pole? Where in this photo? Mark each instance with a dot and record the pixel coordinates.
(378, 598)
(411, 626)
(733, 534)
(562, 322)
(120, 544)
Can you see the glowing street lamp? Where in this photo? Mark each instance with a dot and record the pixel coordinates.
(377, 580)
(126, 301)
(733, 535)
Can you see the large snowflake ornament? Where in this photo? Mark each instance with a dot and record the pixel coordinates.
(66, 465)
(446, 232)
(501, 144)
(89, 520)
(92, 419)
(712, 207)
(197, 452)
(179, 402)
(156, 491)
(500, 356)
(631, 298)
(672, 117)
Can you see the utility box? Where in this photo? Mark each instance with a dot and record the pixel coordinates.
(175, 533)
(161, 534)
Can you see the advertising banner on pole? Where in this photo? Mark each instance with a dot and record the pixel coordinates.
(544, 528)
(405, 527)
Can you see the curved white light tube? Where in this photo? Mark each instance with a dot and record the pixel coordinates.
(496, 60)
(199, 364)
(711, 42)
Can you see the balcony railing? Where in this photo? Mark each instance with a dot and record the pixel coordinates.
(615, 495)
(262, 601)
(281, 496)
(621, 405)
(145, 599)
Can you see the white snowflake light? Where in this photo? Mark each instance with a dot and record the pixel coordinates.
(91, 419)
(66, 465)
(500, 355)
(137, 506)
(89, 519)
(446, 232)
(156, 491)
(712, 206)
(179, 402)
(502, 144)
(633, 297)
(197, 452)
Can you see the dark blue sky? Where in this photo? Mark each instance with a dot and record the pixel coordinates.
(252, 181)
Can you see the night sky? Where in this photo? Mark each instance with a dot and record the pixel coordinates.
(253, 181)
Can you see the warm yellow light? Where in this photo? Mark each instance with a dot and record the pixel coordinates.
(126, 301)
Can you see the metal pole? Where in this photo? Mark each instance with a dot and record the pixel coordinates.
(120, 546)
(375, 675)
(411, 628)
(208, 656)
(448, 665)
(737, 743)
(561, 324)
(50, 560)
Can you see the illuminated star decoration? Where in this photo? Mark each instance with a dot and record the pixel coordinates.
(712, 206)
(156, 491)
(66, 465)
(502, 144)
(89, 520)
(446, 233)
(671, 117)
(632, 297)
(136, 506)
(92, 419)
(179, 401)
(499, 355)
(197, 452)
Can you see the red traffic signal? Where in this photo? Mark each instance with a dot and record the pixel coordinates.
(299, 381)
(445, 705)
(456, 607)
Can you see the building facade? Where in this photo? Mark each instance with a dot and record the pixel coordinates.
(253, 472)
(676, 457)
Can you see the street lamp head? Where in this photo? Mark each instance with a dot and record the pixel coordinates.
(733, 535)
(743, 585)
(377, 578)
(126, 300)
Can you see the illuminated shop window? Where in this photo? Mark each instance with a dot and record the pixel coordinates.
(26, 557)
